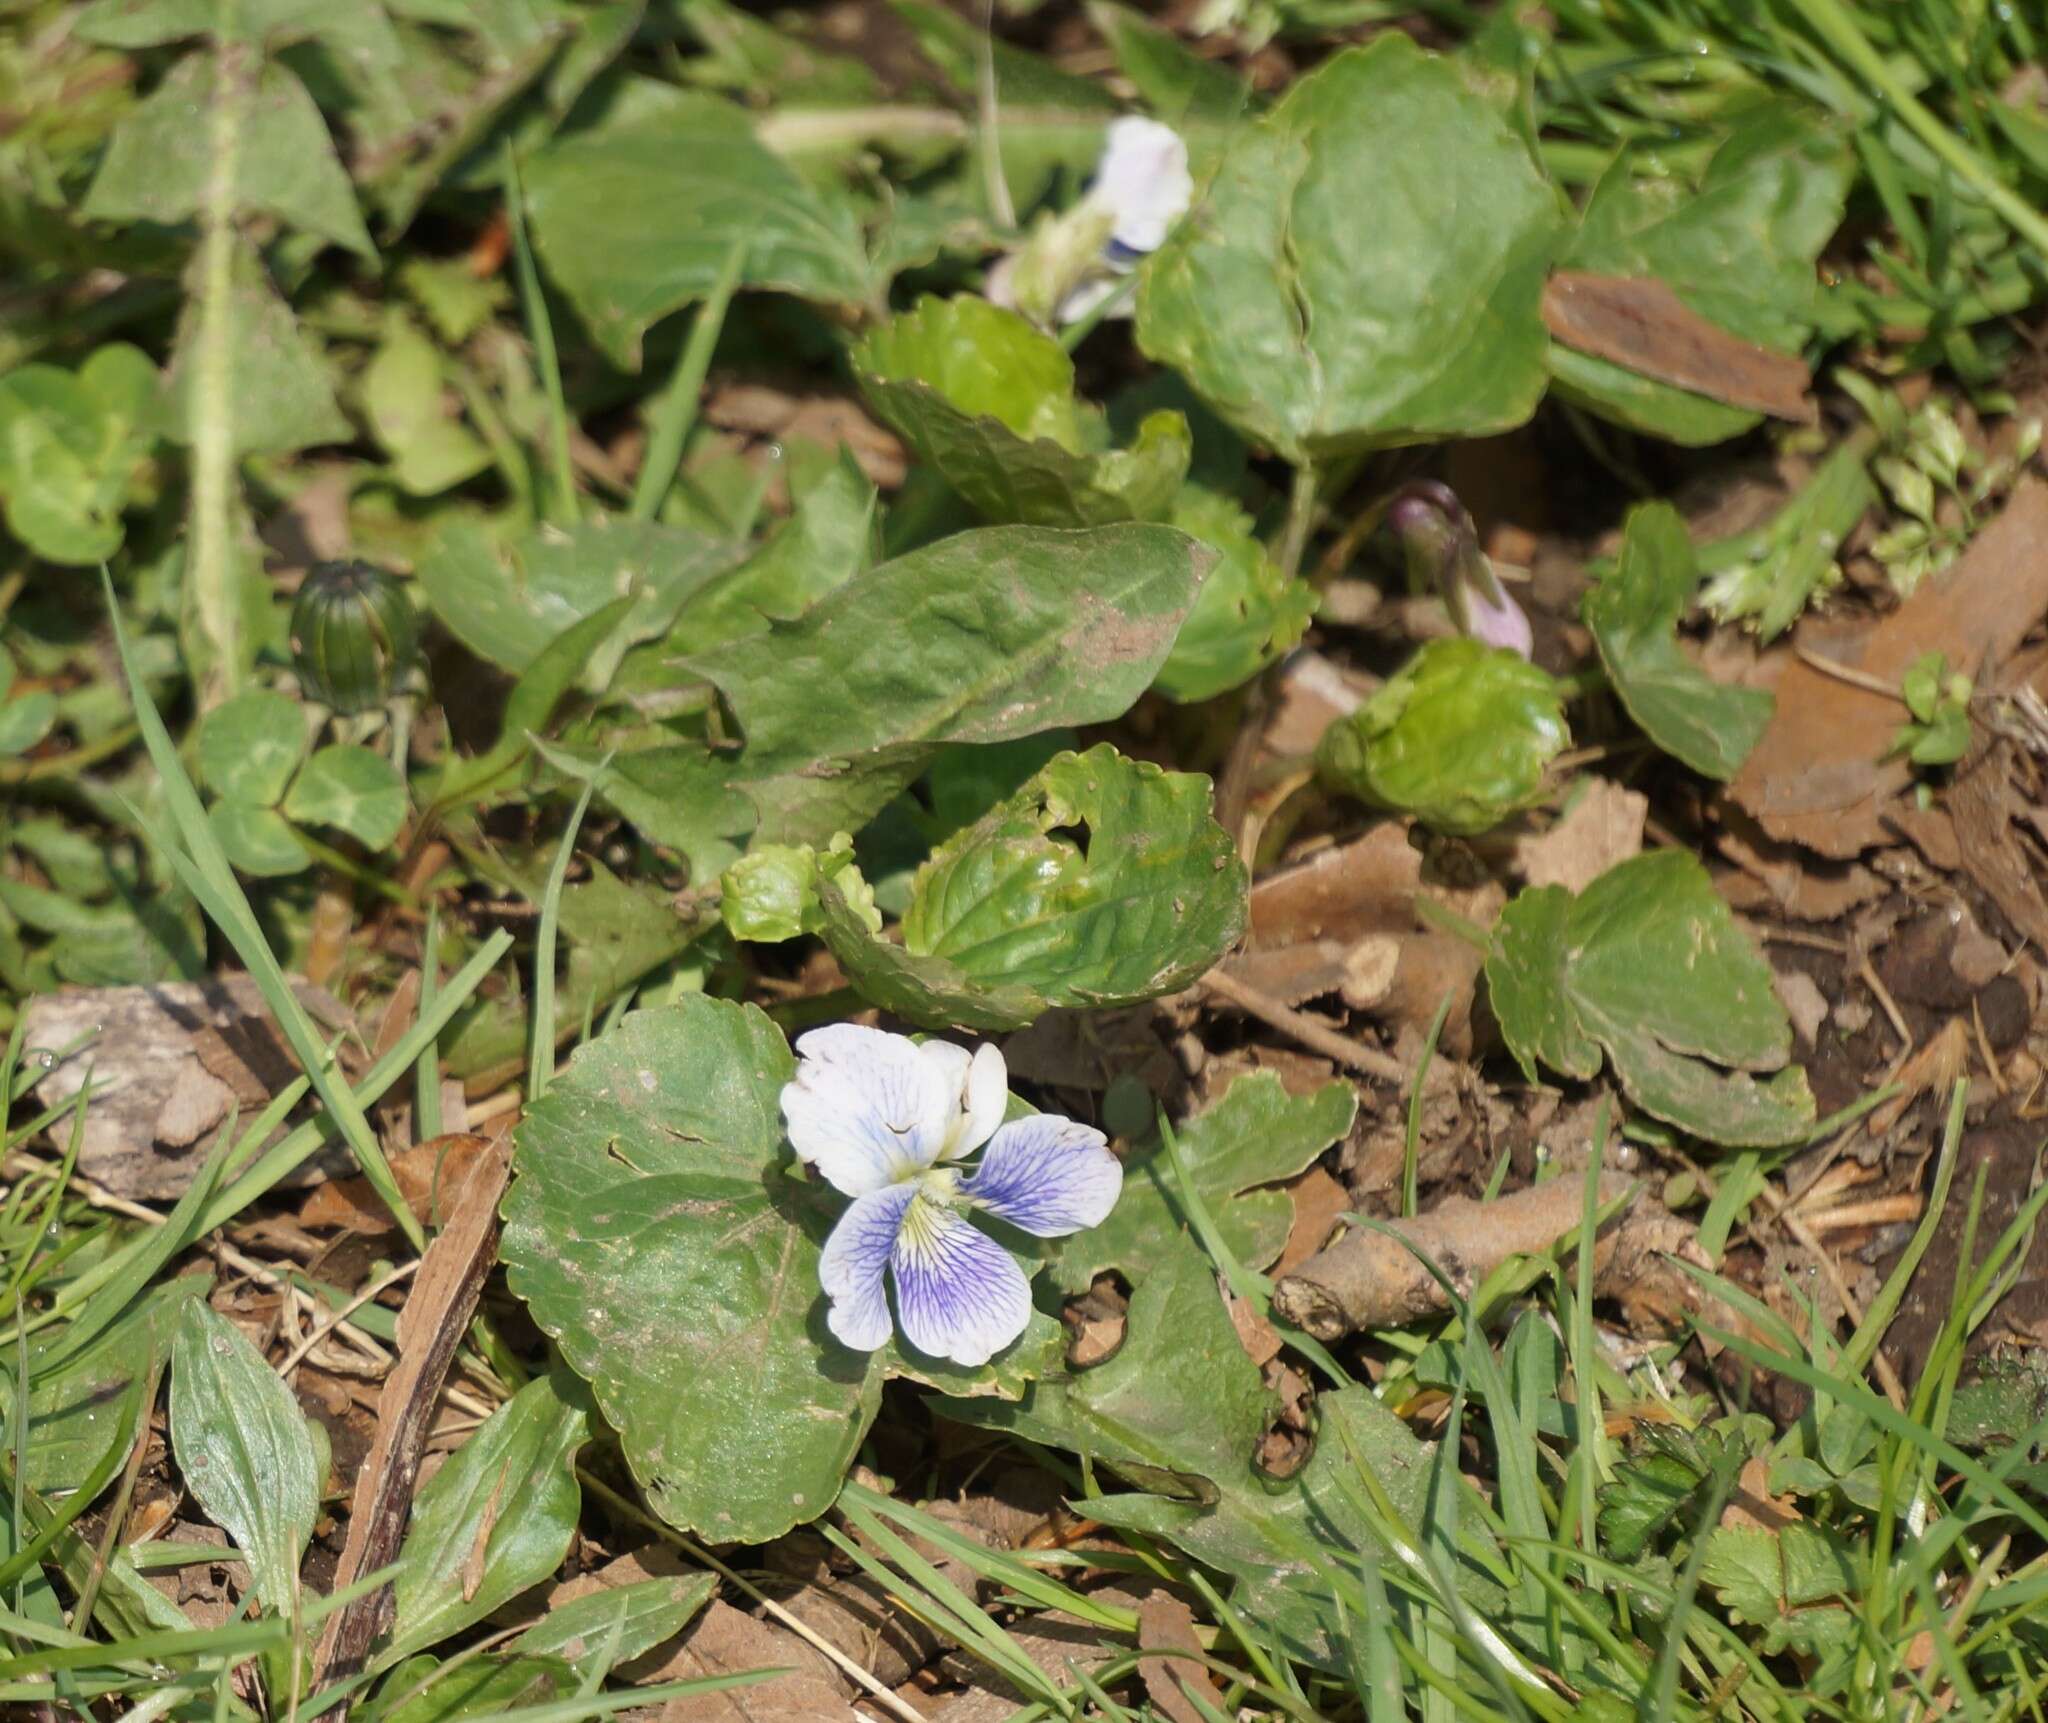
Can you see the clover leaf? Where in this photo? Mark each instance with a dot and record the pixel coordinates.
(69, 445)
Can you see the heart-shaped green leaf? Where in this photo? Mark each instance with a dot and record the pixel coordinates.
(658, 1233)
(989, 401)
(1364, 269)
(1738, 247)
(590, 197)
(1633, 612)
(1570, 976)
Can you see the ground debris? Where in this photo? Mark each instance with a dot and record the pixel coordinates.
(170, 1063)
(1823, 773)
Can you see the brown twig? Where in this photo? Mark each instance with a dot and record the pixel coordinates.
(430, 1328)
(1319, 1037)
(1368, 1279)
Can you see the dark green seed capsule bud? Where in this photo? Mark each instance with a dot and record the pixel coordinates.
(354, 632)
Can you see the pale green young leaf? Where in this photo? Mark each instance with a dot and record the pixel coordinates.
(243, 1449)
(1249, 612)
(352, 789)
(407, 401)
(1461, 736)
(1570, 976)
(1175, 82)
(26, 720)
(989, 401)
(1364, 267)
(1634, 613)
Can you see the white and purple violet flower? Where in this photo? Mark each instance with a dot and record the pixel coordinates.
(889, 1121)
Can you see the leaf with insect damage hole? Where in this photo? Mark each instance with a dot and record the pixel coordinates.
(1101, 882)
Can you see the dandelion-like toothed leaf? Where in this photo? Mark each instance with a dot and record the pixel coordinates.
(1048, 1176)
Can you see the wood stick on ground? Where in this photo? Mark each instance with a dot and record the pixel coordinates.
(1319, 1037)
(430, 1328)
(1368, 1280)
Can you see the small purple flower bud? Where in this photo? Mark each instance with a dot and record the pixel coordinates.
(1442, 550)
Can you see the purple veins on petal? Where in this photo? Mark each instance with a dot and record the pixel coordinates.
(959, 1294)
(850, 1271)
(1047, 1175)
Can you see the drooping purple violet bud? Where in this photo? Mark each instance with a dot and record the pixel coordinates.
(1442, 551)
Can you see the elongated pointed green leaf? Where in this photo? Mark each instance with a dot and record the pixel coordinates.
(244, 1449)
(983, 637)
(494, 1520)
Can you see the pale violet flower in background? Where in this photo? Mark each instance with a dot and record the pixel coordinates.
(1441, 547)
(1142, 179)
(1069, 266)
(889, 1122)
